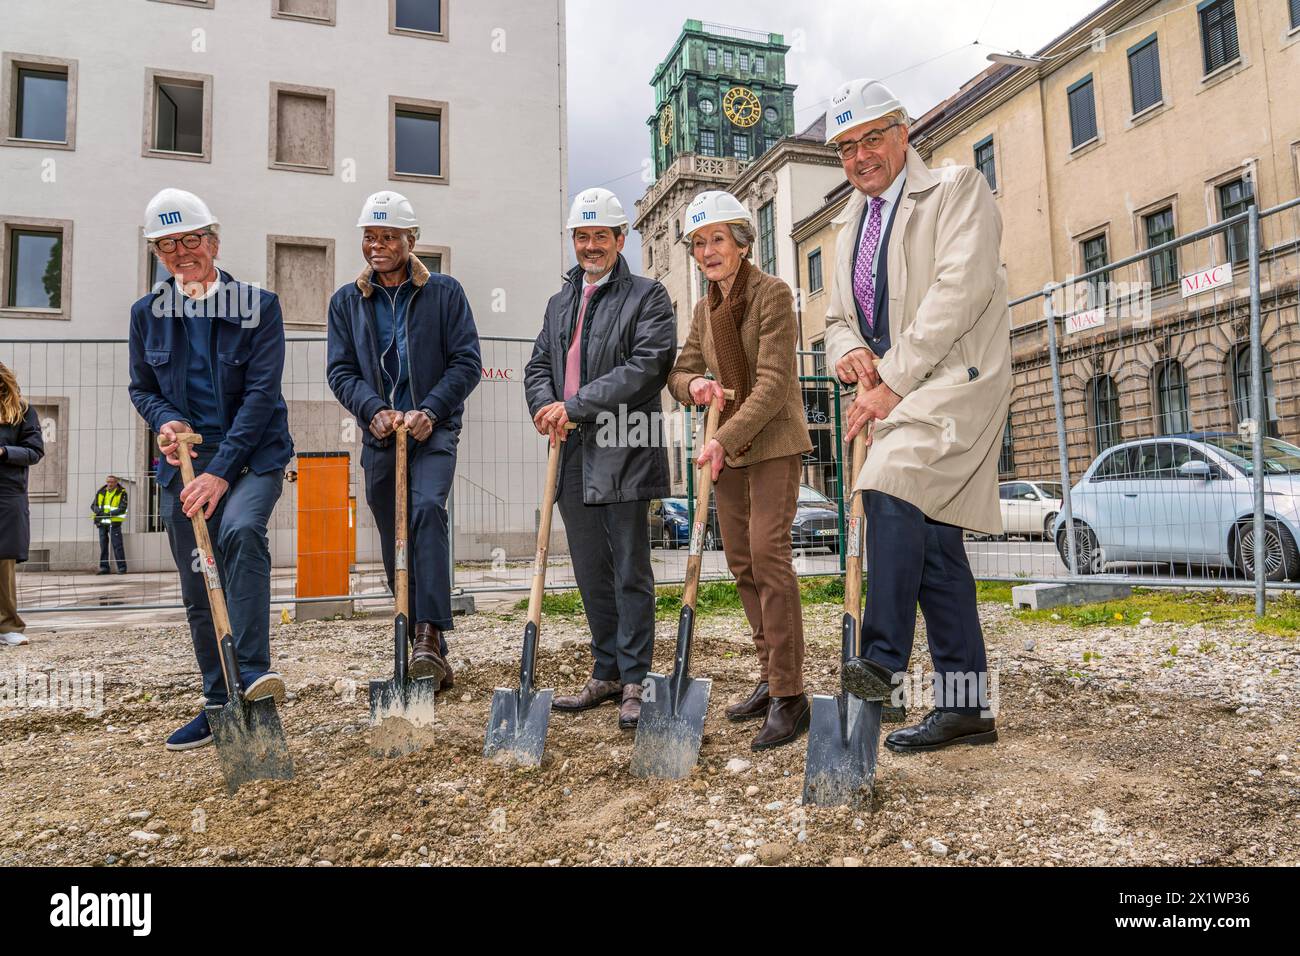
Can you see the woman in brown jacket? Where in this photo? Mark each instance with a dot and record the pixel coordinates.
(744, 332)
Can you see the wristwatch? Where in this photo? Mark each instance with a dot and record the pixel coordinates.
(433, 419)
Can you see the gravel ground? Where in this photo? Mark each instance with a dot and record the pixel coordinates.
(1114, 750)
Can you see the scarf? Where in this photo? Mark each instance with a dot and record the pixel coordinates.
(726, 315)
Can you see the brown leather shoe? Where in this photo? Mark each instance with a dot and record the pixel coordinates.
(787, 720)
(629, 712)
(426, 659)
(753, 706)
(595, 693)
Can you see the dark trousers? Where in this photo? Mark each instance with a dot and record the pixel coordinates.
(238, 533)
(119, 550)
(911, 560)
(610, 549)
(431, 466)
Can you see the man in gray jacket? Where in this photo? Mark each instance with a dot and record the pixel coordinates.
(601, 361)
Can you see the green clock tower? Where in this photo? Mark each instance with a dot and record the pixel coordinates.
(721, 92)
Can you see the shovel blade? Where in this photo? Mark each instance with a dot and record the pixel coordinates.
(401, 713)
(843, 738)
(516, 731)
(250, 742)
(669, 733)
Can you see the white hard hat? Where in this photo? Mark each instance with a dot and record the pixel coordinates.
(173, 211)
(597, 207)
(714, 207)
(390, 209)
(856, 103)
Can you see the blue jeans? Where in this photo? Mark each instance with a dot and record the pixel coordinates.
(238, 533)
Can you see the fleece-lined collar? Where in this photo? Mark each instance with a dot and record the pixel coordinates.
(419, 275)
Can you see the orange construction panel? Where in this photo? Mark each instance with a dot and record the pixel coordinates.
(324, 545)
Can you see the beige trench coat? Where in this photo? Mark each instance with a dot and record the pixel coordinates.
(950, 354)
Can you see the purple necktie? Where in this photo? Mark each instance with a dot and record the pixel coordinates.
(573, 367)
(864, 280)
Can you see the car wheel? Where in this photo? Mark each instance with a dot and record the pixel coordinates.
(1047, 526)
(710, 540)
(1279, 554)
(1086, 549)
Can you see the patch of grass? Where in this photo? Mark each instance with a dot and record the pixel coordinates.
(1178, 607)
(993, 592)
(557, 603)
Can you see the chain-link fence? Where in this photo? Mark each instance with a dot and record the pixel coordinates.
(1138, 386)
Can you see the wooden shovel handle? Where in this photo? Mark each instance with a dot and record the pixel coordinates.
(401, 523)
(855, 537)
(544, 531)
(703, 492)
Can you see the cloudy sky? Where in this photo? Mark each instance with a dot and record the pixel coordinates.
(924, 49)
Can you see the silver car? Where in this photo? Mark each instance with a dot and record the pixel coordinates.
(1188, 500)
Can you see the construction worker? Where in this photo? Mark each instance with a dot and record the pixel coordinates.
(403, 347)
(109, 511)
(206, 356)
(607, 342)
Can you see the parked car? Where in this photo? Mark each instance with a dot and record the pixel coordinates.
(816, 523)
(1186, 499)
(1029, 507)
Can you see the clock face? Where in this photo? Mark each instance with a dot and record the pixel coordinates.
(666, 126)
(742, 107)
(707, 107)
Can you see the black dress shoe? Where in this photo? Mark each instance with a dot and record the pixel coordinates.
(787, 720)
(942, 728)
(867, 680)
(753, 706)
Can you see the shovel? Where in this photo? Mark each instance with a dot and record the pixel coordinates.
(401, 709)
(844, 733)
(250, 740)
(516, 731)
(671, 726)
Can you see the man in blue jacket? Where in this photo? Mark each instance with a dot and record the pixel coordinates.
(206, 356)
(403, 348)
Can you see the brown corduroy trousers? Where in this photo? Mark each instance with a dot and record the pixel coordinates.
(756, 506)
(10, 622)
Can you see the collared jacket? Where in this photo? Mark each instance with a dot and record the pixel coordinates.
(629, 338)
(442, 350)
(248, 365)
(24, 447)
(950, 345)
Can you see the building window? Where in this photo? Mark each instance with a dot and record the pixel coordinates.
(35, 268)
(1295, 14)
(1239, 371)
(769, 142)
(1007, 457)
(417, 136)
(1171, 399)
(744, 60)
(712, 55)
(740, 145)
(38, 101)
(154, 270)
(984, 161)
(815, 271)
(1083, 112)
(819, 367)
(300, 271)
(1164, 265)
(1218, 33)
(437, 259)
(1096, 255)
(179, 116)
(726, 59)
(1144, 74)
(418, 18)
(1235, 198)
(1103, 399)
(708, 143)
(302, 129)
(760, 65)
(767, 239)
(312, 11)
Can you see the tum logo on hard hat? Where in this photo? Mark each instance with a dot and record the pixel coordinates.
(588, 215)
(380, 215)
(169, 218)
(844, 117)
(697, 217)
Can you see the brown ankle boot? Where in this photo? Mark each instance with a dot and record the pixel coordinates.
(593, 694)
(426, 657)
(787, 720)
(629, 712)
(753, 706)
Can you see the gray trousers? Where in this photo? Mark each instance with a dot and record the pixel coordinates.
(610, 548)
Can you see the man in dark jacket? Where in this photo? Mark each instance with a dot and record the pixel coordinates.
(403, 348)
(109, 511)
(206, 356)
(601, 361)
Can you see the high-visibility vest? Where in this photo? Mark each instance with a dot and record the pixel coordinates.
(110, 498)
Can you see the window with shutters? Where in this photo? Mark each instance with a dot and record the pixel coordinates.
(1144, 74)
(984, 161)
(1234, 199)
(1083, 112)
(1159, 228)
(1171, 395)
(767, 239)
(1218, 33)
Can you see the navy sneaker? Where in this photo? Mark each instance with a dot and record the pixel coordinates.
(195, 734)
(261, 686)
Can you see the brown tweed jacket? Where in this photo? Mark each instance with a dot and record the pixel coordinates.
(773, 415)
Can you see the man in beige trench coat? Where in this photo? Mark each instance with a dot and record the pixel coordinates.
(919, 286)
